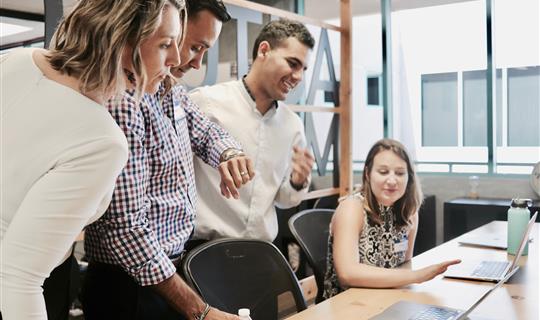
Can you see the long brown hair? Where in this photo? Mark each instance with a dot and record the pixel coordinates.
(409, 203)
(90, 41)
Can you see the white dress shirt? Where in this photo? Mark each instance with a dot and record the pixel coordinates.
(61, 154)
(268, 140)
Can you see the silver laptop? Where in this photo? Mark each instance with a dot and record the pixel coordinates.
(497, 241)
(407, 310)
(489, 270)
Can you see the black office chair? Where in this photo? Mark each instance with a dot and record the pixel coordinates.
(328, 202)
(310, 228)
(242, 273)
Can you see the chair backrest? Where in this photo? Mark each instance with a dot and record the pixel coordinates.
(328, 202)
(242, 273)
(310, 228)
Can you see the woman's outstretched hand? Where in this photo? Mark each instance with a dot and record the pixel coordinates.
(434, 270)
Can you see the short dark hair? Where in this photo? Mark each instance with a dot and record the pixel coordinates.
(217, 8)
(275, 32)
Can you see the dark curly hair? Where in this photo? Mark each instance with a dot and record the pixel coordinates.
(275, 32)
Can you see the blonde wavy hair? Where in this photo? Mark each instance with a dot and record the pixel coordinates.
(90, 41)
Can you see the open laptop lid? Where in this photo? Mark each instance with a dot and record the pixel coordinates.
(524, 241)
(513, 268)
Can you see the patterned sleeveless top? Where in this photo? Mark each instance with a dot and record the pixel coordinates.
(376, 247)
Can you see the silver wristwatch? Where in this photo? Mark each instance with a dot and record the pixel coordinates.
(231, 153)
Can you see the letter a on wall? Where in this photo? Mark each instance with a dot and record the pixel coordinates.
(330, 85)
(318, 84)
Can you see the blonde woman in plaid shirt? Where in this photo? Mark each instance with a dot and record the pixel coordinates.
(134, 249)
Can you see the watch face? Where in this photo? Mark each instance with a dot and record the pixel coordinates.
(535, 179)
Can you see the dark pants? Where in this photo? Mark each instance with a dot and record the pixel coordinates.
(110, 293)
(60, 289)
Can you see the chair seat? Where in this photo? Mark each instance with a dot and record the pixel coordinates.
(231, 274)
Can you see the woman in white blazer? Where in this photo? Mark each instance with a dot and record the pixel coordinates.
(61, 151)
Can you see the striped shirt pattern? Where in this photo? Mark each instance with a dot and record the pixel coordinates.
(152, 212)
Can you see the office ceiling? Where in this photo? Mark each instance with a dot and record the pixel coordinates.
(320, 9)
(329, 9)
(31, 6)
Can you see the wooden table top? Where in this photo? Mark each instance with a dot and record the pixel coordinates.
(517, 299)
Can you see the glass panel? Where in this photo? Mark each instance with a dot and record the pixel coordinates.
(498, 104)
(517, 51)
(524, 106)
(515, 169)
(439, 109)
(425, 167)
(373, 91)
(474, 108)
(469, 168)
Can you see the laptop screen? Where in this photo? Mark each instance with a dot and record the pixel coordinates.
(524, 241)
(509, 273)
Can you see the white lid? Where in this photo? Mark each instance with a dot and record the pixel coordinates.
(243, 312)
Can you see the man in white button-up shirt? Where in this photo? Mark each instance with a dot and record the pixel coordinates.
(271, 134)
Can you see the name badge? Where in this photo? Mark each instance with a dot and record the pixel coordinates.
(401, 246)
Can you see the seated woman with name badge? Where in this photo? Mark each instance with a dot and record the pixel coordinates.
(373, 231)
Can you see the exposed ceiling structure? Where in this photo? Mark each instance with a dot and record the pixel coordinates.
(31, 6)
(320, 9)
(329, 9)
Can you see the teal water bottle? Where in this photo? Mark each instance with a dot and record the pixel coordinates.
(518, 218)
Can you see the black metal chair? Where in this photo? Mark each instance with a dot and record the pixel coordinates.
(242, 273)
(310, 228)
(328, 202)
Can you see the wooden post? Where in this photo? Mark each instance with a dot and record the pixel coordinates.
(345, 120)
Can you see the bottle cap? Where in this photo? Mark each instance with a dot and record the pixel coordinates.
(521, 203)
(243, 312)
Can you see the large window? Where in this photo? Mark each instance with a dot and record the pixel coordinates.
(517, 54)
(440, 99)
(440, 79)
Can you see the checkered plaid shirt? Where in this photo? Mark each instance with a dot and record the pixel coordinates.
(152, 211)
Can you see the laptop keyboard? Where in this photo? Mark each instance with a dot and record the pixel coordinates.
(435, 313)
(490, 269)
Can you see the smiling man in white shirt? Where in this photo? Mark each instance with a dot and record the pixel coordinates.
(252, 111)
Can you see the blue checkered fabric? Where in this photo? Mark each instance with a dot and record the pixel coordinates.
(152, 211)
